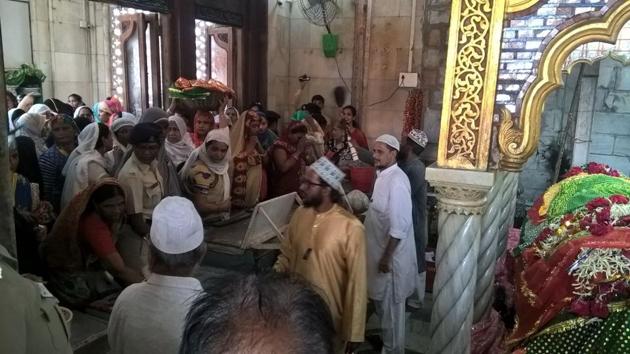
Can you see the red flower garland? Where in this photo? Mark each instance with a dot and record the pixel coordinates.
(592, 168)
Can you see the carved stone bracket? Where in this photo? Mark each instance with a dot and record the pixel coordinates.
(462, 200)
(460, 192)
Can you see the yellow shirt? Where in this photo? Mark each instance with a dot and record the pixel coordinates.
(203, 181)
(329, 251)
(143, 186)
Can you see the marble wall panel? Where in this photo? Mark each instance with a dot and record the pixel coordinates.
(69, 38)
(70, 67)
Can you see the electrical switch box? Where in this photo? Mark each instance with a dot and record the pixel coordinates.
(408, 80)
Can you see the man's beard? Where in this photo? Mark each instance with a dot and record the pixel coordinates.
(313, 201)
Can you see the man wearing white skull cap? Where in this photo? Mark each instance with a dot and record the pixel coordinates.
(326, 245)
(149, 317)
(391, 257)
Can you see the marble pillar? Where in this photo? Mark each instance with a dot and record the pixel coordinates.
(495, 224)
(507, 212)
(461, 201)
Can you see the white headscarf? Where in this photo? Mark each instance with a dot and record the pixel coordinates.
(31, 125)
(77, 111)
(76, 168)
(181, 150)
(221, 135)
(40, 108)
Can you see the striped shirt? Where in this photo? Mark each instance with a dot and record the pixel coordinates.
(51, 164)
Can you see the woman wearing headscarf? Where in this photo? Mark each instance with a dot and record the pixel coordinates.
(121, 129)
(64, 133)
(41, 108)
(178, 144)
(248, 180)
(82, 246)
(232, 113)
(83, 116)
(205, 176)
(288, 159)
(29, 212)
(31, 126)
(108, 110)
(87, 164)
(59, 106)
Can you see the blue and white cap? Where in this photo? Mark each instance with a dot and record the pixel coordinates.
(329, 173)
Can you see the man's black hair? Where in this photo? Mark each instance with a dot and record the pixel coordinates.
(272, 116)
(248, 313)
(318, 98)
(312, 108)
(257, 104)
(76, 97)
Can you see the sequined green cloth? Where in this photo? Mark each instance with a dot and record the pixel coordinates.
(529, 232)
(577, 193)
(610, 335)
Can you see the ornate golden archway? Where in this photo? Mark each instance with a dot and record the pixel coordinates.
(518, 144)
(471, 78)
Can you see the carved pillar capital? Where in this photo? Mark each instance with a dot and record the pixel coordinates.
(460, 192)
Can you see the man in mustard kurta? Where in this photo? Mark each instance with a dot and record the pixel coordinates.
(326, 245)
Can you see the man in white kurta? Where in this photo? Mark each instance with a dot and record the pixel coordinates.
(391, 258)
(149, 317)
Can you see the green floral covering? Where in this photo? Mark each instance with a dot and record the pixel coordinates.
(578, 192)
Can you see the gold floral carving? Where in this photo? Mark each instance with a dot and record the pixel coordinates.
(471, 74)
(518, 144)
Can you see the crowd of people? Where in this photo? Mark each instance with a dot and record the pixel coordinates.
(107, 202)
